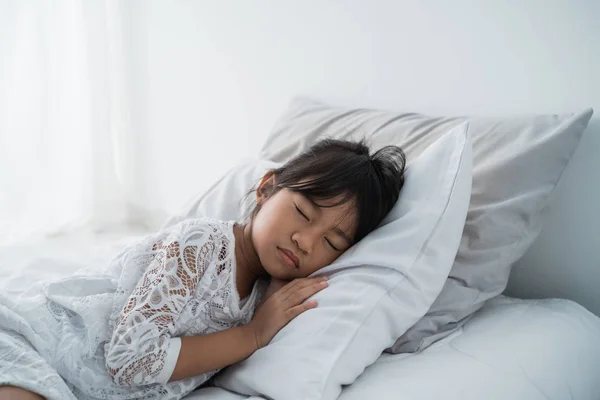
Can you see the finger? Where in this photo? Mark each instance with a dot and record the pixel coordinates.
(302, 285)
(298, 284)
(284, 292)
(299, 309)
(291, 285)
(302, 294)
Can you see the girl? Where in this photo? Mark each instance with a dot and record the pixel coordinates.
(173, 309)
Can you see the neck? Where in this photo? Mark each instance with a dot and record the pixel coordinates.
(249, 268)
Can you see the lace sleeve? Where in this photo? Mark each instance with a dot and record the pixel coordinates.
(142, 350)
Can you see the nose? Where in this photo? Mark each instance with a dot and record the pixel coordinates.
(305, 240)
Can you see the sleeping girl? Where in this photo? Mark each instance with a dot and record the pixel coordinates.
(171, 310)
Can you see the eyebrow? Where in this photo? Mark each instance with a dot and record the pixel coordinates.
(336, 229)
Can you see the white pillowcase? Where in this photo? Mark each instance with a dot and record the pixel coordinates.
(378, 288)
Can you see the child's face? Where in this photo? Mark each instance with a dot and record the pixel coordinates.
(288, 222)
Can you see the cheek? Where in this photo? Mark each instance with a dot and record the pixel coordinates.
(272, 217)
(259, 233)
(322, 259)
(264, 228)
(263, 221)
(331, 259)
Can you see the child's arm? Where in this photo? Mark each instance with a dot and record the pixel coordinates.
(201, 354)
(143, 349)
(205, 353)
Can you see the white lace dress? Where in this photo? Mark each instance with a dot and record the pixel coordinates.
(114, 333)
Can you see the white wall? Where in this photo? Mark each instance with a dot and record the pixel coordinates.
(210, 78)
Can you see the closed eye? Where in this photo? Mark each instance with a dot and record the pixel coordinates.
(301, 213)
(332, 246)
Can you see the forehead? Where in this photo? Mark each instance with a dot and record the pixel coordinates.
(342, 216)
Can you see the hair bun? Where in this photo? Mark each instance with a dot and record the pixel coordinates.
(389, 163)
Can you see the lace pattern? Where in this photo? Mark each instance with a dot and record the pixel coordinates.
(108, 333)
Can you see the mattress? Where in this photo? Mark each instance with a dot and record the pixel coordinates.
(511, 349)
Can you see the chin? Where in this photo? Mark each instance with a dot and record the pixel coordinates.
(279, 270)
(272, 267)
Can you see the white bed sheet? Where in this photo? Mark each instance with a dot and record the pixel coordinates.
(511, 349)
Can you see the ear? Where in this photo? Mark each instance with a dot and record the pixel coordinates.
(266, 185)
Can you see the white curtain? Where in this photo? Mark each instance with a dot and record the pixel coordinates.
(67, 148)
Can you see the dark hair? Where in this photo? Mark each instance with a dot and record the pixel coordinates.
(332, 168)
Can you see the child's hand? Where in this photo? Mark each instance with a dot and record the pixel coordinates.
(274, 286)
(283, 306)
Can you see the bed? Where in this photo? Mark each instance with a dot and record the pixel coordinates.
(510, 349)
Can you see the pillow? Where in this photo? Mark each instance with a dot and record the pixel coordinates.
(226, 199)
(517, 162)
(378, 288)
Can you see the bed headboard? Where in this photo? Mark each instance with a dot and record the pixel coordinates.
(437, 57)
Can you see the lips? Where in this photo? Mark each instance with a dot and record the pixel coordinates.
(290, 257)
